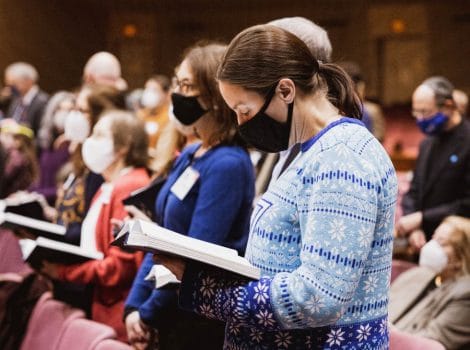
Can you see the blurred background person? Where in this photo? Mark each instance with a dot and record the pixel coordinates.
(27, 99)
(21, 166)
(117, 150)
(433, 300)
(461, 100)
(372, 115)
(78, 184)
(82, 184)
(155, 102)
(54, 147)
(103, 68)
(441, 180)
(133, 100)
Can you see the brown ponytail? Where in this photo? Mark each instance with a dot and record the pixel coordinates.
(260, 56)
(341, 90)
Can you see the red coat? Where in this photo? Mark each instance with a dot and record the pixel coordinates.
(112, 277)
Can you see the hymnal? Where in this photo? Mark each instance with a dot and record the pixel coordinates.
(148, 236)
(144, 198)
(35, 251)
(33, 226)
(24, 205)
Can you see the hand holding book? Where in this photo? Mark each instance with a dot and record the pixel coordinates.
(171, 248)
(174, 264)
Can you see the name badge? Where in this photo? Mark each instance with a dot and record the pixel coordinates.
(185, 182)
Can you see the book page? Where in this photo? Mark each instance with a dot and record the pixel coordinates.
(68, 248)
(148, 236)
(21, 220)
(27, 246)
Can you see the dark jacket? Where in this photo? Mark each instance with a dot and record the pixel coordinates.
(441, 180)
(33, 112)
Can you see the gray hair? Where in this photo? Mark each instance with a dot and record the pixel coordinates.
(314, 36)
(441, 87)
(45, 133)
(22, 70)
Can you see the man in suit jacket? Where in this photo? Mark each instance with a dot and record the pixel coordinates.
(441, 180)
(29, 101)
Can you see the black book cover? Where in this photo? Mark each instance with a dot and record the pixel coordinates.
(144, 198)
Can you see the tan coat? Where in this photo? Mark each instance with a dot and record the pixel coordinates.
(443, 314)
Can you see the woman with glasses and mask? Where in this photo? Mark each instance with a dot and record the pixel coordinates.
(322, 233)
(433, 300)
(208, 195)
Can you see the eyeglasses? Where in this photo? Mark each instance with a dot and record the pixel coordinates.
(183, 86)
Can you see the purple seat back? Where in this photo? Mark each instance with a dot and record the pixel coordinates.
(85, 335)
(110, 344)
(400, 341)
(48, 321)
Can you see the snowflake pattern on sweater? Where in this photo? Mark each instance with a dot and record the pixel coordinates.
(322, 237)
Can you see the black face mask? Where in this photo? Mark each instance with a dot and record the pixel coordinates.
(265, 133)
(186, 109)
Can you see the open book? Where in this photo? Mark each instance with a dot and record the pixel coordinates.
(35, 251)
(24, 204)
(148, 236)
(28, 216)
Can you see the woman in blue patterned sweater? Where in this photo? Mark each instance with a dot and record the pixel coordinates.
(322, 233)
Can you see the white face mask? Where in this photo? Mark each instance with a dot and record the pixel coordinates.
(186, 130)
(433, 256)
(76, 127)
(59, 119)
(98, 154)
(150, 99)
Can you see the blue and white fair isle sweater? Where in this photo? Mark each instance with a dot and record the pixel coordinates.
(322, 237)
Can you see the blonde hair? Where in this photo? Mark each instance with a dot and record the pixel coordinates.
(460, 240)
(170, 142)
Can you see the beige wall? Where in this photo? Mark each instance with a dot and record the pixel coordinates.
(58, 36)
(54, 36)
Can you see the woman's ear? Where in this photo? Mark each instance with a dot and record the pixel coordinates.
(286, 89)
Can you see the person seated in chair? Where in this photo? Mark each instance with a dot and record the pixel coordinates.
(433, 300)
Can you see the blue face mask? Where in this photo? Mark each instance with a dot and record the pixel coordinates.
(433, 125)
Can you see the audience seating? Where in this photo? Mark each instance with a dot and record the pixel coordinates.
(47, 322)
(110, 344)
(11, 258)
(403, 341)
(57, 326)
(85, 334)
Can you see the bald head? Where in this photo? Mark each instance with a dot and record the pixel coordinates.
(424, 95)
(314, 36)
(102, 68)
